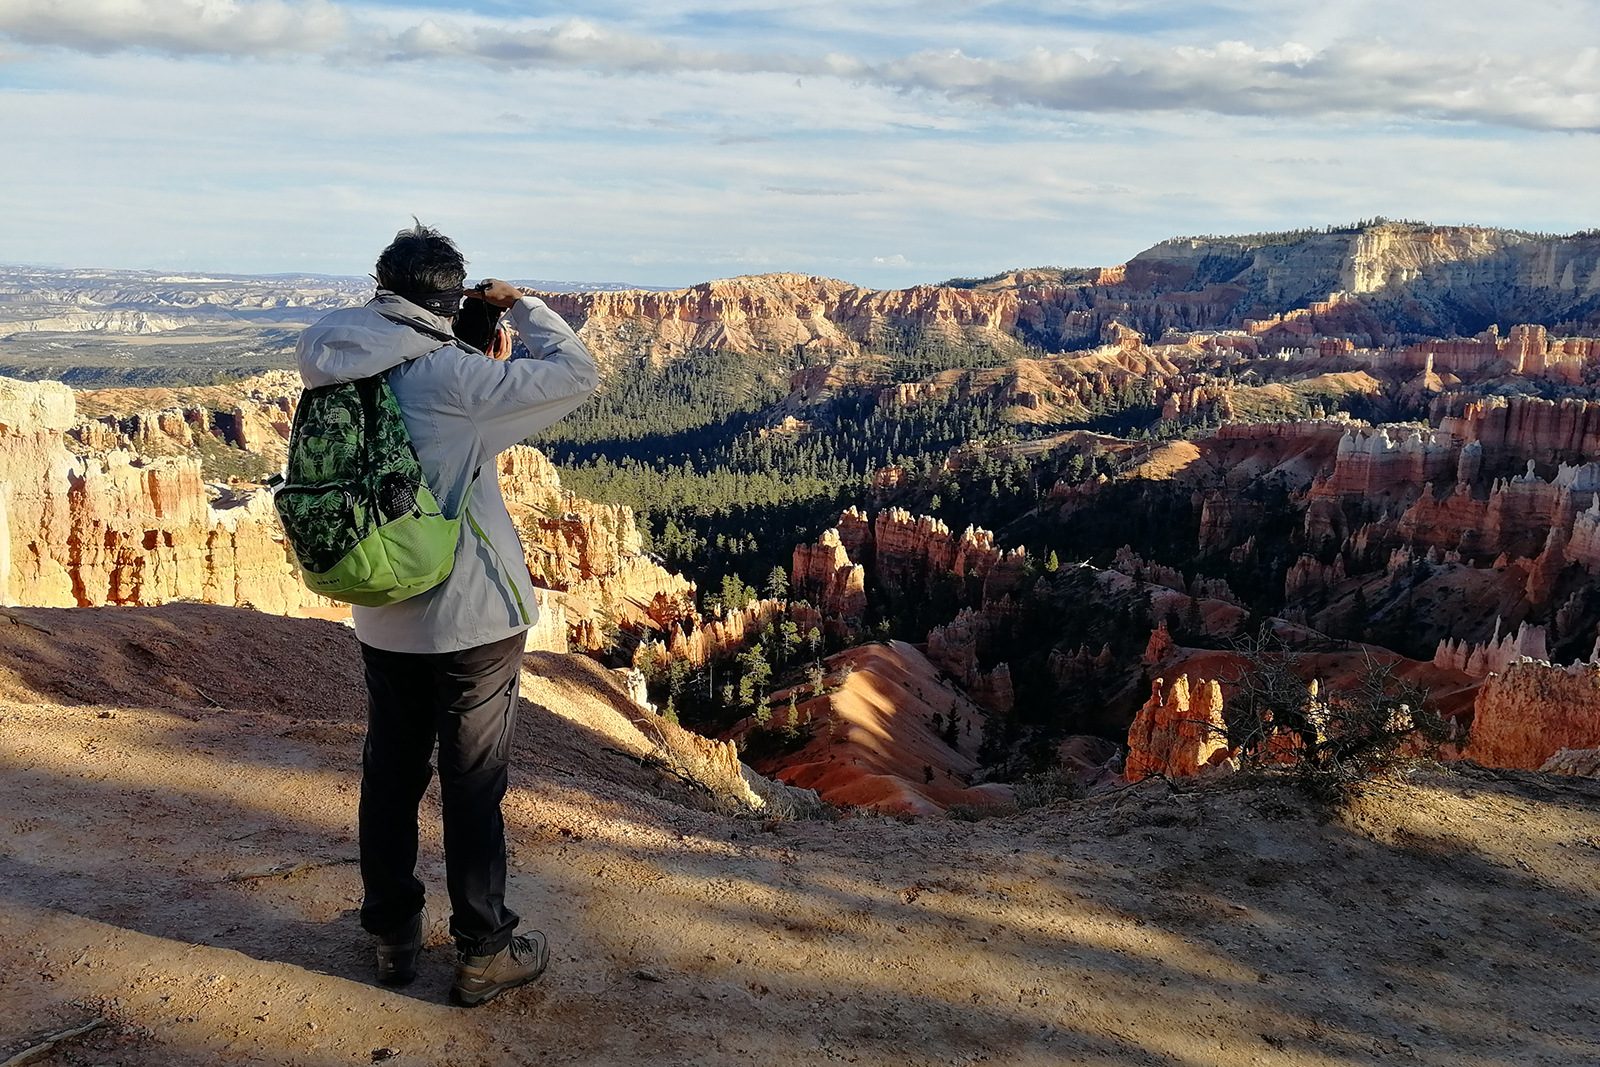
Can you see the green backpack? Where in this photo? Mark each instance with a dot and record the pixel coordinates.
(363, 524)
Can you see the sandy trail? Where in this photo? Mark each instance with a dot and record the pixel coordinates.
(157, 765)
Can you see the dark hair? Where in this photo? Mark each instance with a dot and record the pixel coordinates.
(421, 260)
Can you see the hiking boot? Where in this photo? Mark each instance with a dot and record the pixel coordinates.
(398, 951)
(482, 978)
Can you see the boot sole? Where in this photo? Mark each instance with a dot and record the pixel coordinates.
(399, 978)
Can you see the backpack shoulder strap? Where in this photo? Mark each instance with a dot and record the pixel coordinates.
(429, 331)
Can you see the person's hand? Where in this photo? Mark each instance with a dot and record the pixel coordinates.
(500, 294)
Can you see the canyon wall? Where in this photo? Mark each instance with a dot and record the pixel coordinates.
(116, 510)
(122, 528)
(1374, 285)
(590, 552)
(786, 314)
(1399, 278)
(1525, 715)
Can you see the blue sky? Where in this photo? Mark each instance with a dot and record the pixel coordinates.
(878, 141)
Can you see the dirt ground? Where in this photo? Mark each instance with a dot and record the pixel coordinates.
(177, 808)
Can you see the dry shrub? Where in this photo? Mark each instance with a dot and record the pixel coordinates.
(1330, 737)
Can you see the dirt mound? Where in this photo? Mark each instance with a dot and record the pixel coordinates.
(180, 656)
(889, 735)
(185, 872)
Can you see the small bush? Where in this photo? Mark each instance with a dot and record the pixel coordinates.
(1037, 790)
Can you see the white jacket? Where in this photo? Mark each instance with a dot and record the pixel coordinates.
(461, 409)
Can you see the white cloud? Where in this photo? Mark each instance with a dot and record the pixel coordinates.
(181, 27)
(257, 167)
(1555, 89)
(1552, 88)
(621, 149)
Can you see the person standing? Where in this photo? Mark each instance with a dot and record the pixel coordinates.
(442, 667)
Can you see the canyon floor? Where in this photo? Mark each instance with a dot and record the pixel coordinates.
(177, 804)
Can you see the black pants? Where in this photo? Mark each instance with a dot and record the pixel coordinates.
(466, 700)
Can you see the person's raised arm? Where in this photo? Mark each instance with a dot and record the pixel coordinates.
(515, 399)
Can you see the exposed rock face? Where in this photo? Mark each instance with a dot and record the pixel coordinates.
(955, 647)
(1582, 762)
(907, 556)
(1528, 351)
(589, 551)
(1308, 577)
(1222, 517)
(1521, 428)
(1526, 715)
(905, 549)
(1384, 460)
(824, 575)
(1377, 285)
(114, 524)
(119, 528)
(1179, 731)
(549, 632)
(35, 407)
(254, 415)
(784, 313)
(699, 642)
(1394, 277)
(906, 552)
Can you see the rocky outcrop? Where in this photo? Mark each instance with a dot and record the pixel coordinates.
(591, 552)
(1388, 278)
(1129, 562)
(824, 575)
(85, 525)
(1494, 655)
(1581, 762)
(956, 647)
(1515, 515)
(1325, 291)
(905, 550)
(120, 528)
(1223, 519)
(253, 415)
(698, 642)
(1385, 459)
(1528, 351)
(1514, 430)
(35, 407)
(1525, 715)
(1308, 578)
(1179, 731)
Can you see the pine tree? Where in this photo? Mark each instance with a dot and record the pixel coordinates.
(777, 583)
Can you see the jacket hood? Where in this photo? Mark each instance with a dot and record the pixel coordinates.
(359, 342)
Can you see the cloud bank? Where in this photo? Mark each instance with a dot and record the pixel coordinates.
(1554, 89)
(233, 28)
